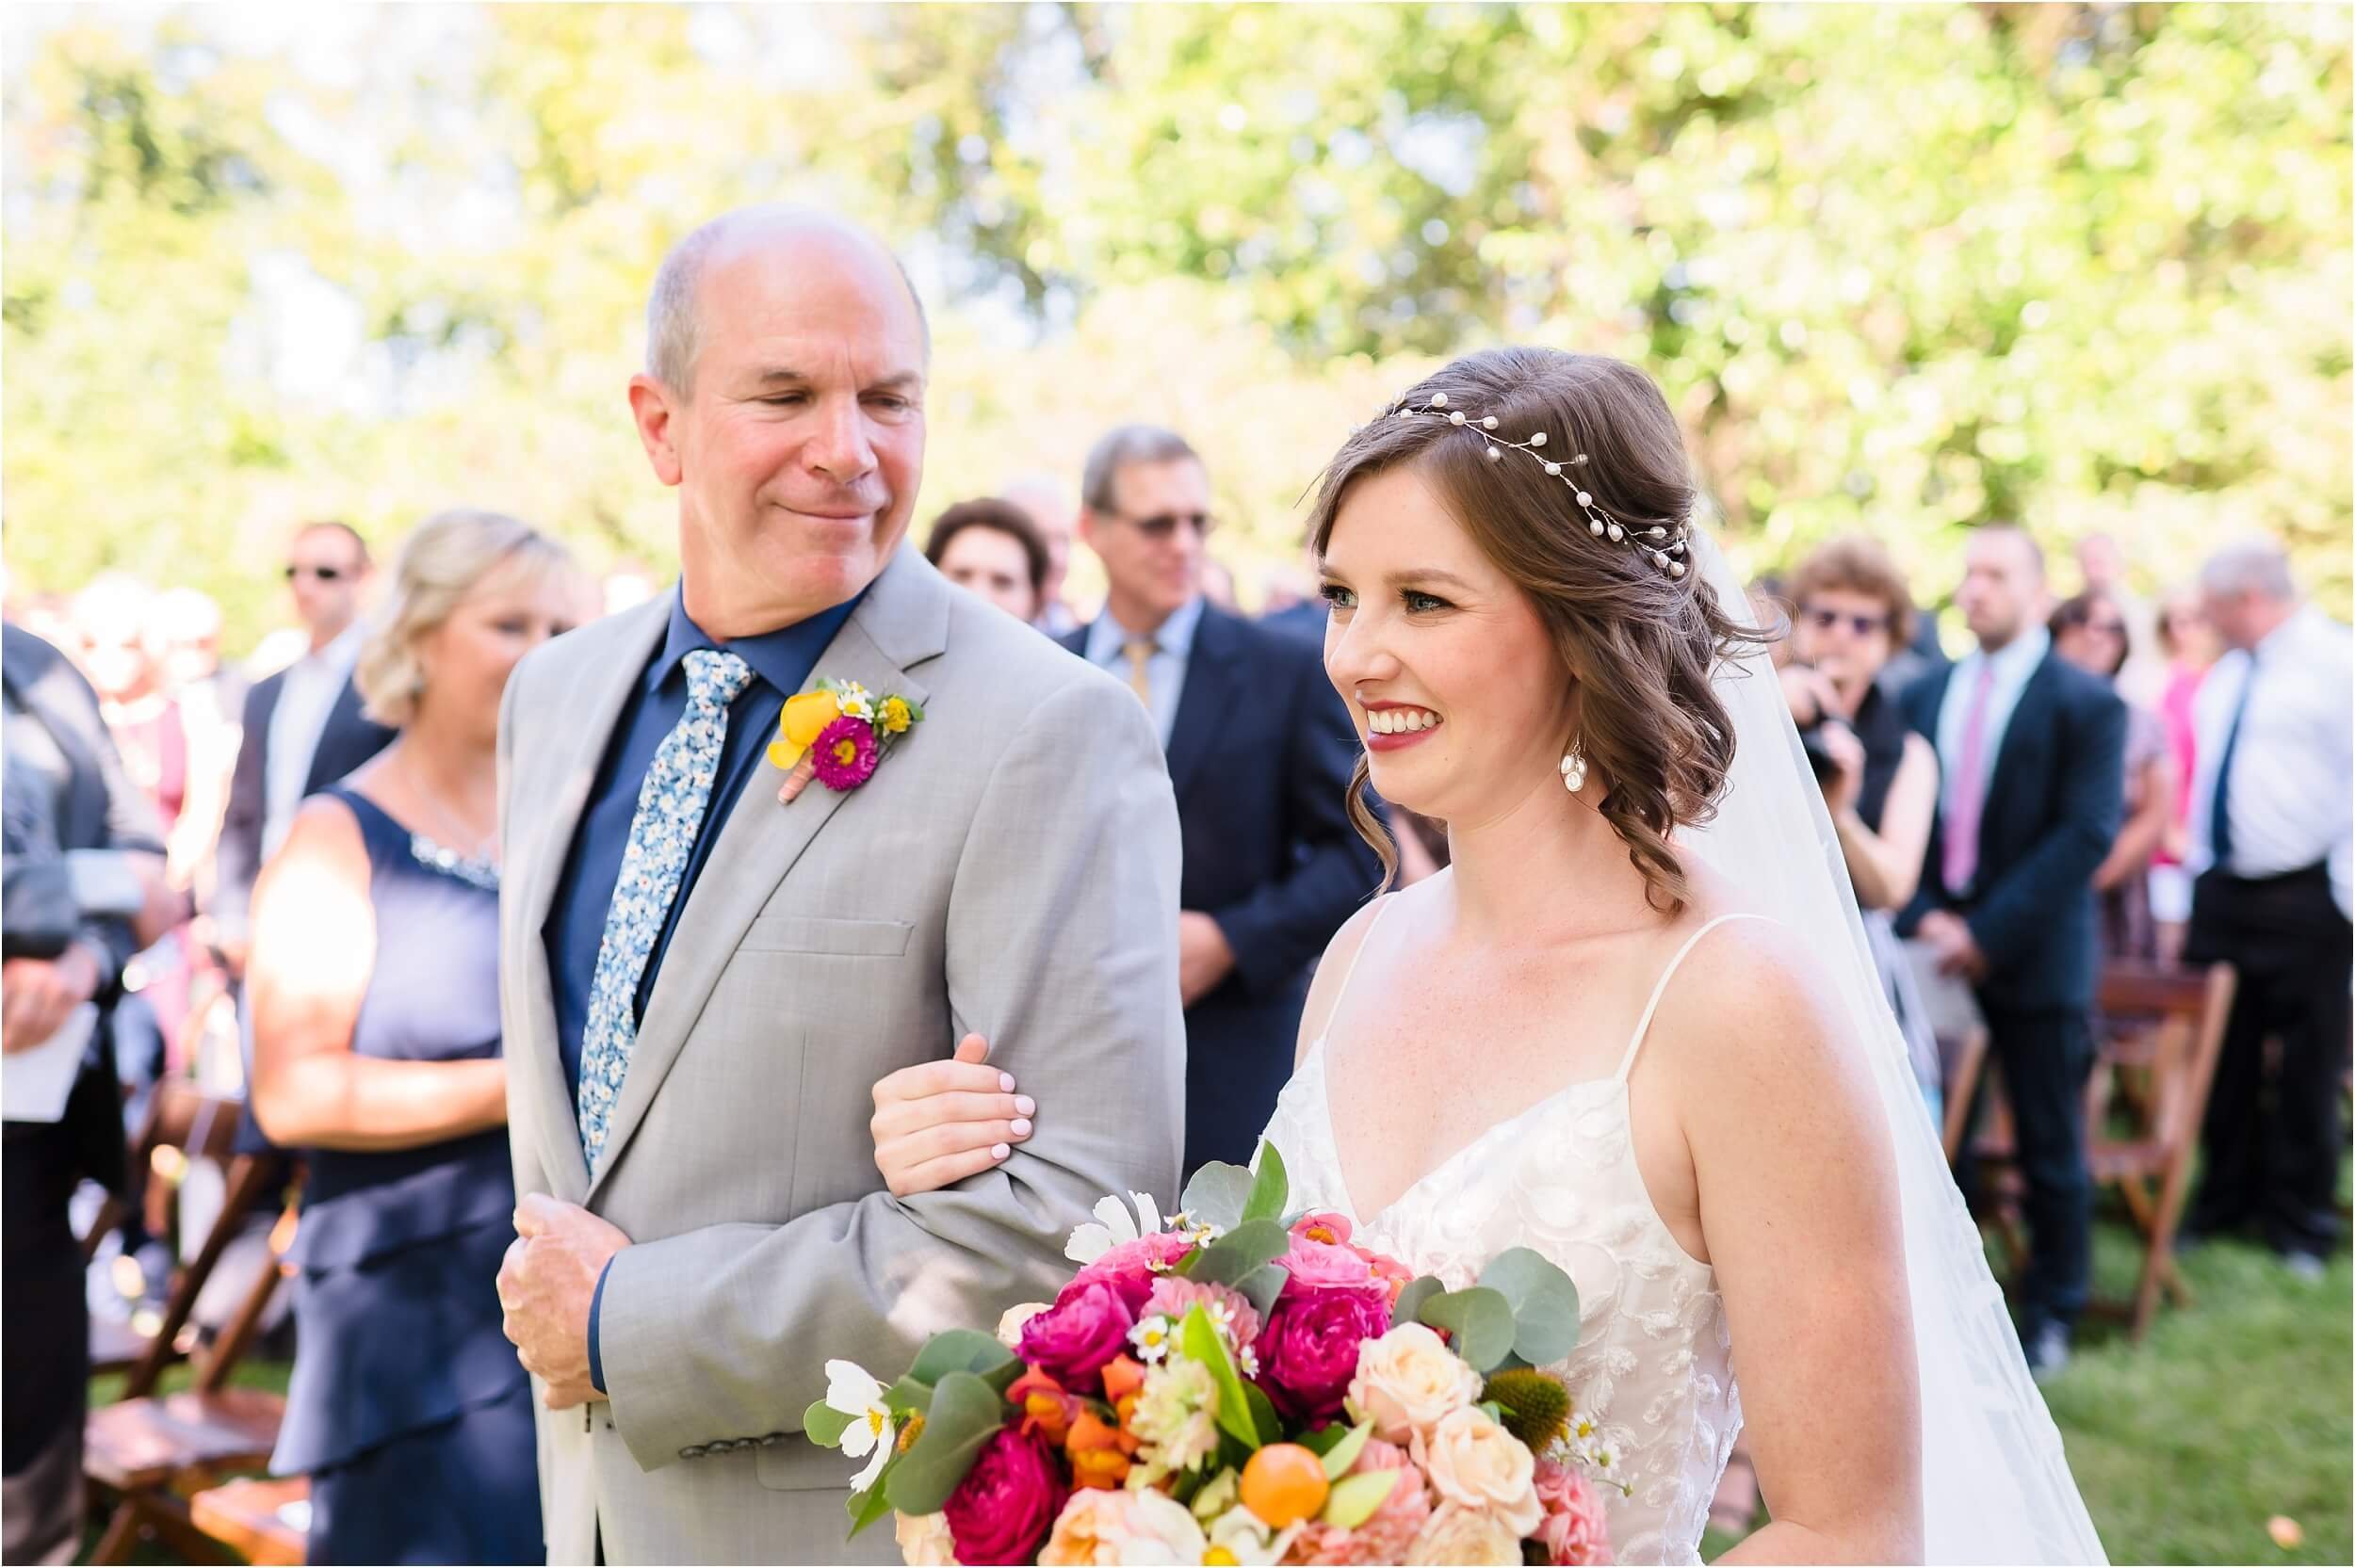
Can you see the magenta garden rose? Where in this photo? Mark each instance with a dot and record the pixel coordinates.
(1007, 1502)
(1073, 1340)
(1308, 1350)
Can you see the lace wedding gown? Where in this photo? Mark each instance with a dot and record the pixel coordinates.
(1653, 1369)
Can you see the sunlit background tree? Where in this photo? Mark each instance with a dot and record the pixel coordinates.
(1902, 268)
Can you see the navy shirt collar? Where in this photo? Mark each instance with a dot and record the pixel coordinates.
(782, 657)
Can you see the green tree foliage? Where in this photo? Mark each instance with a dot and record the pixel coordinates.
(1900, 269)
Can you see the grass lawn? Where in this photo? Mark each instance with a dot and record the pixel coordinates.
(2231, 1412)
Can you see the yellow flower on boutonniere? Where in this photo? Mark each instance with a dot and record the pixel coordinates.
(799, 726)
(896, 715)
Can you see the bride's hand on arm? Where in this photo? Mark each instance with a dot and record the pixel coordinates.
(1799, 1210)
(937, 1124)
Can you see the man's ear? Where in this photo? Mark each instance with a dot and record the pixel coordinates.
(651, 405)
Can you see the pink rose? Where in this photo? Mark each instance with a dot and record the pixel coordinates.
(1173, 1298)
(1134, 1265)
(1072, 1340)
(1308, 1350)
(1575, 1528)
(1325, 1265)
(1007, 1502)
(1387, 1536)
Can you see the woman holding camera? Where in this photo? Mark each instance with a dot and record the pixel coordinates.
(1878, 777)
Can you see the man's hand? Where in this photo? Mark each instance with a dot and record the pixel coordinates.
(37, 993)
(1204, 960)
(1949, 937)
(545, 1284)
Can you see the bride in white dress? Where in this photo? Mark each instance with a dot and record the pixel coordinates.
(1643, 1045)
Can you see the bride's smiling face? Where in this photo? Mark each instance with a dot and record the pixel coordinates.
(1451, 678)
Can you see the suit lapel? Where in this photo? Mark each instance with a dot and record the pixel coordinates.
(607, 692)
(1210, 686)
(902, 621)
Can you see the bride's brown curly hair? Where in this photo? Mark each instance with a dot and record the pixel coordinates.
(1637, 642)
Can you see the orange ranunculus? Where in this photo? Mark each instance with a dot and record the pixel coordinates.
(1099, 1452)
(803, 721)
(1122, 1378)
(1047, 1410)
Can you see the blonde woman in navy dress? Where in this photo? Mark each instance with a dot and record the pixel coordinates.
(377, 1053)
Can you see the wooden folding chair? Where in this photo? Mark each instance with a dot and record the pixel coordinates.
(184, 1125)
(2161, 1032)
(2157, 1035)
(263, 1519)
(145, 1454)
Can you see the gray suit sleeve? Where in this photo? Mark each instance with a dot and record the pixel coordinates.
(1062, 948)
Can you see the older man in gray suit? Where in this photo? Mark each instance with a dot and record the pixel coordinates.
(703, 979)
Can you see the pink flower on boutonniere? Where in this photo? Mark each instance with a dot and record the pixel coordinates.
(845, 753)
(837, 735)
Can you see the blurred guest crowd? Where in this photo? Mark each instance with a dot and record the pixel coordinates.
(276, 880)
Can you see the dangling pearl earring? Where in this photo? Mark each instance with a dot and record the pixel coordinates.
(1574, 769)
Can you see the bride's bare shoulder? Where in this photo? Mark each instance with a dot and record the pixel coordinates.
(1753, 996)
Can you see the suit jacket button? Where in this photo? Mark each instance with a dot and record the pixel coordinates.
(694, 1450)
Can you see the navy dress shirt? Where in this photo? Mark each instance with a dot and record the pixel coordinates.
(781, 661)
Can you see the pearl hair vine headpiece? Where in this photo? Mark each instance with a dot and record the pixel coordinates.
(1663, 547)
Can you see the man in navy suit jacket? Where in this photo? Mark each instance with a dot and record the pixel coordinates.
(1260, 750)
(286, 757)
(2032, 757)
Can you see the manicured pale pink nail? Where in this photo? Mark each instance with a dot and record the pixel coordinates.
(1005, 1083)
(1024, 1104)
(1021, 1125)
(999, 1151)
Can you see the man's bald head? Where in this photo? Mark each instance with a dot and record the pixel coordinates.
(674, 308)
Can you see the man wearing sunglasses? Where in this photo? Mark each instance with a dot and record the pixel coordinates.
(1259, 750)
(304, 728)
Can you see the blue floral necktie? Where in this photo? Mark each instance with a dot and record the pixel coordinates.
(670, 807)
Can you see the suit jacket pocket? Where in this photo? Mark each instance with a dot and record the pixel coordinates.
(807, 933)
(794, 1463)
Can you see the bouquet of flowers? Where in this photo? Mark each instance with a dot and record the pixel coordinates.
(1232, 1384)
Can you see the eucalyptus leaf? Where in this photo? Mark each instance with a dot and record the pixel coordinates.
(1481, 1321)
(1410, 1301)
(1270, 1189)
(1217, 1194)
(1544, 1302)
(1263, 1285)
(1239, 1253)
(909, 1396)
(1198, 1339)
(1343, 1454)
(1354, 1498)
(965, 1414)
(824, 1425)
(958, 1351)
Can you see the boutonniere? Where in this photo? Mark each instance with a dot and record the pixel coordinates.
(837, 735)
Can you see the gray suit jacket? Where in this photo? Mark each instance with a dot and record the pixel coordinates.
(1012, 867)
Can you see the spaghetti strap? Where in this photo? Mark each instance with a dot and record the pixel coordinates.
(1381, 908)
(1660, 989)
